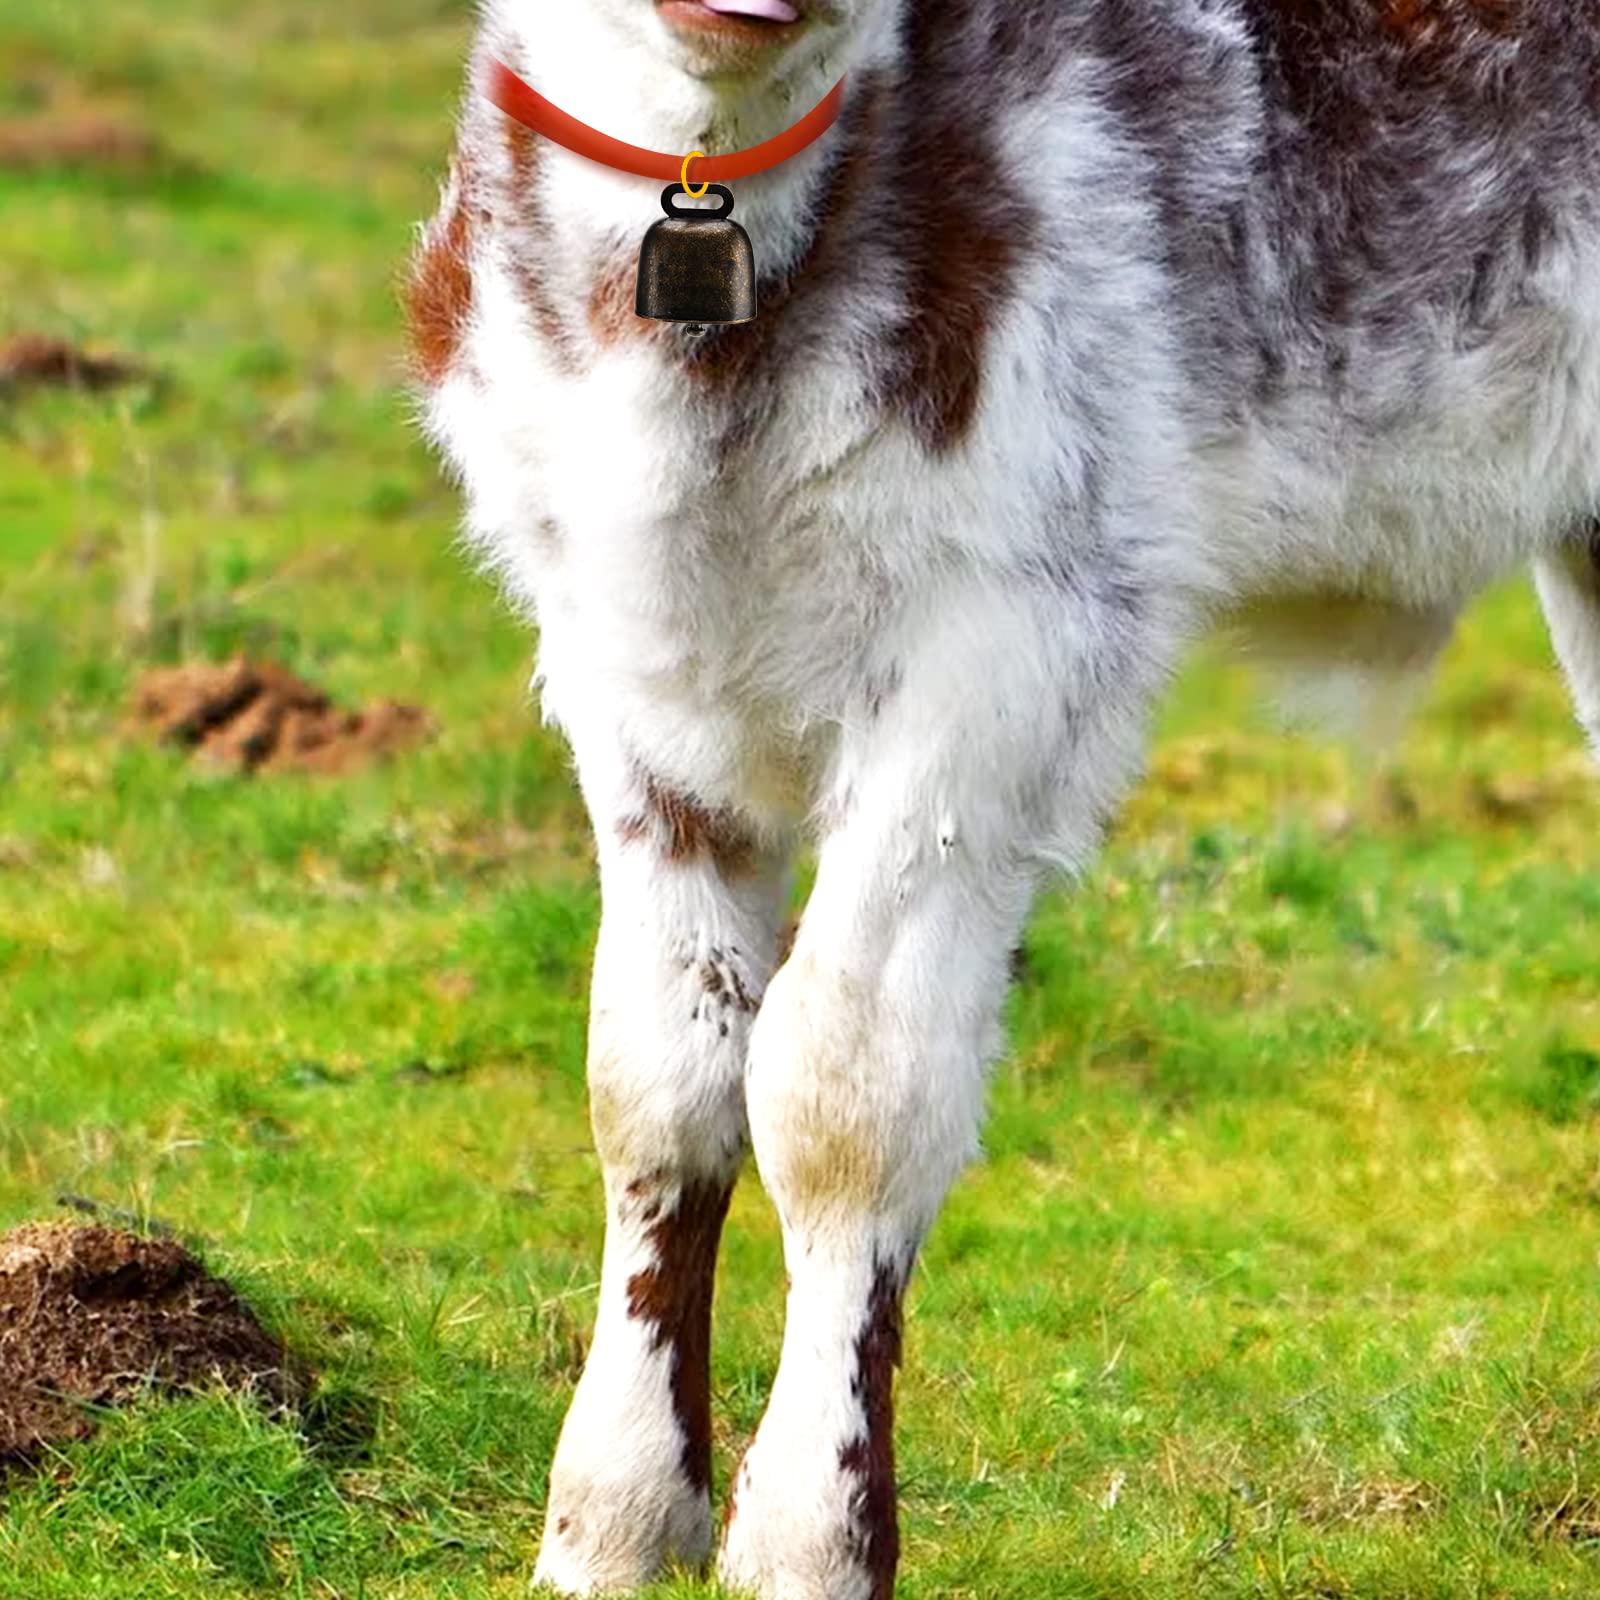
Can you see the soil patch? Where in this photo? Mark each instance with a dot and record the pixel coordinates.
(96, 1316)
(36, 359)
(259, 717)
(77, 139)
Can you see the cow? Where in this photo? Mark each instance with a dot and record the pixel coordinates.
(1090, 326)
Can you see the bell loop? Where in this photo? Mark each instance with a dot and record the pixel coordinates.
(697, 213)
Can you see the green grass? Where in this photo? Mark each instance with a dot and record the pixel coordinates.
(1281, 1274)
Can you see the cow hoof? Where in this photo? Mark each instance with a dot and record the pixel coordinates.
(615, 1537)
(775, 1548)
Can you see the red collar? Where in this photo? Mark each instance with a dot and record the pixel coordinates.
(524, 104)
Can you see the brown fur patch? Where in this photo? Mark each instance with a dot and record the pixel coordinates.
(686, 830)
(612, 317)
(870, 1458)
(1414, 52)
(438, 297)
(524, 210)
(522, 146)
(965, 229)
(674, 1295)
(1427, 20)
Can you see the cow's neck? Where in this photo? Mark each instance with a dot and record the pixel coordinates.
(578, 60)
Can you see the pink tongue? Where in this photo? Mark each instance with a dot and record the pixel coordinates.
(770, 10)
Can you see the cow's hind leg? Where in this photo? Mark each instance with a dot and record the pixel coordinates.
(1569, 587)
(1001, 748)
(687, 942)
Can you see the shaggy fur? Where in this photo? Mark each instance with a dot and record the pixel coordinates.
(1093, 324)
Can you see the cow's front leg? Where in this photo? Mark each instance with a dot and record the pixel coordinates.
(864, 1100)
(687, 943)
(866, 1075)
(1569, 587)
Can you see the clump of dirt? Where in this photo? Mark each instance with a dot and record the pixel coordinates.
(92, 1315)
(72, 138)
(37, 359)
(259, 717)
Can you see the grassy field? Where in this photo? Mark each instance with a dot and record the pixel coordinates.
(1281, 1274)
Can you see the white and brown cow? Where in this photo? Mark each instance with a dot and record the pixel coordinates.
(1091, 323)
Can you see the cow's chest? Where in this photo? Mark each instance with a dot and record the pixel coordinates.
(722, 559)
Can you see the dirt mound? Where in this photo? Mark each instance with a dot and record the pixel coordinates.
(77, 139)
(93, 1314)
(259, 717)
(33, 358)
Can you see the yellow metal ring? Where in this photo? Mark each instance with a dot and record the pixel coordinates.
(684, 178)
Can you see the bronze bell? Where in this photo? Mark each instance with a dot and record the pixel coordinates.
(696, 266)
